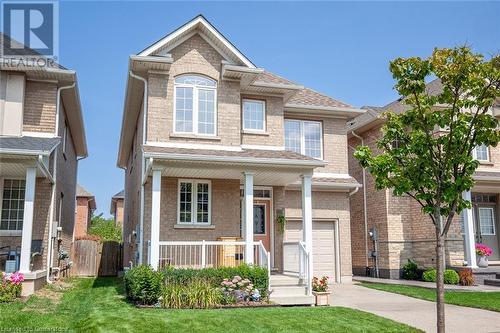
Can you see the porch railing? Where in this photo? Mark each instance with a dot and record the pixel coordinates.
(305, 275)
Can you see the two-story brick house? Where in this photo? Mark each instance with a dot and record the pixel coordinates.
(41, 139)
(404, 232)
(218, 151)
(85, 207)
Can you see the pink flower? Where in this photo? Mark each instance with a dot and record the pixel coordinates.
(16, 278)
(483, 250)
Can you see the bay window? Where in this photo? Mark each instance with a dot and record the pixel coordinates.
(304, 137)
(194, 202)
(195, 105)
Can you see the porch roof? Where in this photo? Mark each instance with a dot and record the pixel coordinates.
(27, 145)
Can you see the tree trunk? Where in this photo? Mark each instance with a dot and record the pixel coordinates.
(440, 266)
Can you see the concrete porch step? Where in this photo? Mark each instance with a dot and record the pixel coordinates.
(492, 282)
(284, 280)
(293, 300)
(288, 290)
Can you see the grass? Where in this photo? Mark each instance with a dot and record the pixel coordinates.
(98, 305)
(473, 299)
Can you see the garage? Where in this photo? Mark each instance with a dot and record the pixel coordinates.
(323, 247)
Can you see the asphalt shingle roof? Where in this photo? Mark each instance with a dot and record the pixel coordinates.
(29, 143)
(82, 192)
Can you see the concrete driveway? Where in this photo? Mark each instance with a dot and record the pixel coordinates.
(415, 312)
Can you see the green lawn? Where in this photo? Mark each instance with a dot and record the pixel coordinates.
(98, 305)
(473, 299)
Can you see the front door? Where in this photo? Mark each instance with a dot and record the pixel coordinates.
(486, 229)
(261, 225)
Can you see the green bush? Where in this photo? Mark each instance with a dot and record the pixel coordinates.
(143, 284)
(451, 277)
(197, 294)
(9, 292)
(106, 229)
(410, 270)
(429, 275)
(214, 276)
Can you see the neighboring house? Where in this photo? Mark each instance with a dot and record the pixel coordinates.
(85, 207)
(219, 149)
(404, 232)
(41, 139)
(117, 202)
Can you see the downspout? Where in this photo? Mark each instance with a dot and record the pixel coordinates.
(141, 211)
(53, 189)
(365, 215)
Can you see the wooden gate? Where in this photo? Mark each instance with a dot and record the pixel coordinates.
(93, 258)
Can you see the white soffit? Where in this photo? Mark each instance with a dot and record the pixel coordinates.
(208, 32)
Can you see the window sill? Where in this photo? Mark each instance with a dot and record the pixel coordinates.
(486, 163)
(255, 132)
(11, 233)
(193, 226)
(194, 136)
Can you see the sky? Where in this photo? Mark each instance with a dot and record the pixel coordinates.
(341, 49)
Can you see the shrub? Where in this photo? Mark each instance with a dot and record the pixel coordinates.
(429, 275)
(451, 277)
(320, 285)
(10, 286)
(466, 278)
(198, 294)
(215, 276)
(106, 229)
(143, 284)
(410, 270)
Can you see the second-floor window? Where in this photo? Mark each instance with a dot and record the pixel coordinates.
(254, 115)
(481, 153)
(195, 105)
(304, 137)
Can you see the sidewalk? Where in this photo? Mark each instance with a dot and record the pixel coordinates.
(414, 312)
(430, 285)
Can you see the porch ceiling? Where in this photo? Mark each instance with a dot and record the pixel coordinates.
(270, 175)
(14, 166)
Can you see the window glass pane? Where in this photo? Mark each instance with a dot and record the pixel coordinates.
(185, 202)
(202, 203)
(481, 153)
(195, 80)
(184, 109)
(206, 111)
(312, 139)
(292, 136)
(259, 219)
(11, 217)
(253, 115)
(486, 221)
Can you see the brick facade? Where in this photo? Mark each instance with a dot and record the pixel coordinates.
(82, 217)
(39, 107)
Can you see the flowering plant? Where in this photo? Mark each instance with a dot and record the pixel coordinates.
(239, 288)
(483, 250)
(10, 286)
(320, 285)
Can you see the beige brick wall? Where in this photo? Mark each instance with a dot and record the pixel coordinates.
(39, 107)
(275, 133)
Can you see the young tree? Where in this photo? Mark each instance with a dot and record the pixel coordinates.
(432, 162)
(106, 229)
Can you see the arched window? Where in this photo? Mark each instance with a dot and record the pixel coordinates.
(195, 105)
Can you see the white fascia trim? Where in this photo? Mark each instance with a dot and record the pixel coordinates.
(263, 147)
(39, 134)
(240, 69)
(190, 25)
(160, 59)
(192, 146)
(277, 85)
(330, 175)
(236, 159)
(24, 152)
(343, 110)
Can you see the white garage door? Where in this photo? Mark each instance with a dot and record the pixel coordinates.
(323, 248)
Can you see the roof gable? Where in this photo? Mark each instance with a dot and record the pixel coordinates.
(199, 25)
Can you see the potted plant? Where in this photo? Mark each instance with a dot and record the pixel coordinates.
(321, 291)
(483, 252)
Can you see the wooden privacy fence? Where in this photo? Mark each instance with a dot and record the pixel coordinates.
(93, 258)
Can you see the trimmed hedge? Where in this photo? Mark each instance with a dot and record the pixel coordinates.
(214, 276)
(450, 276)
(410, 270)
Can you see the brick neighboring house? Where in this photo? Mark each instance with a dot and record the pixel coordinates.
(217, 138)
(116, 208)
(41, 139)
(85, 207)
(404, 232)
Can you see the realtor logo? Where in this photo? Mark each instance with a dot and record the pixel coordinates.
(31, 28)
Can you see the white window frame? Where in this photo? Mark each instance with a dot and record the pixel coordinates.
(255, 130)
(302, 136)
(195, 88)
(493, 218)
(194, 201)
(9, 232)
(474, 154)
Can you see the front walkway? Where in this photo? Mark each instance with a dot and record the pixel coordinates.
(429, 285)
(414, 312)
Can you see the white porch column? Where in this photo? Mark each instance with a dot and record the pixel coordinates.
(248, 217)
(307, 224)
(470, 239)
(29, 199)
(155, 218)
